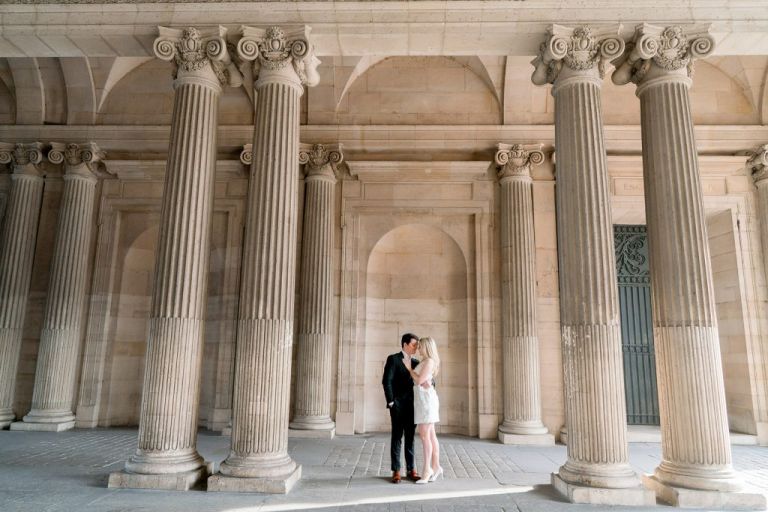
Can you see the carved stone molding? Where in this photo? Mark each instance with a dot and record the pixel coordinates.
(25, 158)
(195, 50)
(758, 164)
(579, 50)
(671, 50)
(515, 160)
(273, 49)
(320, 159)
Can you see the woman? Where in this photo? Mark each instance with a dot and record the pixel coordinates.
(426, 407)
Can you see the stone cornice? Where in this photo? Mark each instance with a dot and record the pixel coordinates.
(42, 28)
(383, 141)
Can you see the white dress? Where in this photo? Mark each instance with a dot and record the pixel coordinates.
(426, 405)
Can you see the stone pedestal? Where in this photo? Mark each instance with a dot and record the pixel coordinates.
(167, 456)
(17, 248)
(57, 359)
(696, 451)
(312, 395)
(259, 460)
(595, 410)
(522, 388)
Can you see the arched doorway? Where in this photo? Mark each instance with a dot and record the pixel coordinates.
(416, 281)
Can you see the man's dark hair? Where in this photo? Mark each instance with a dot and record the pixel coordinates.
(407, 337)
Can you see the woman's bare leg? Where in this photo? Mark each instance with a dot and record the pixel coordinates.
(435, 447)
(426, 443)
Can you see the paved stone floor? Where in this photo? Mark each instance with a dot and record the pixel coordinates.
(45, 472)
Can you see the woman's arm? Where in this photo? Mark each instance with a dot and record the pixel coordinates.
(420, 378)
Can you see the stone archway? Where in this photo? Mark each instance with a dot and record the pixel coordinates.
(416, 281)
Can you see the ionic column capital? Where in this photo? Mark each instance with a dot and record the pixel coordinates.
(758, 165)
(320, 160)
(659, 54)
(26, 159)
(79, 159)
(199, 55)
(578, 52)
(515, 160)
(280, 56)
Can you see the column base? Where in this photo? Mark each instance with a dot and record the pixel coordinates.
(693, 498)
(227, 431)
(632, 496)
(31, 426)
(6, 418)
(527, 439)
(311, 433)
(168, 482)
(271, 485)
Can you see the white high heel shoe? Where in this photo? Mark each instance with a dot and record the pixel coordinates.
(437, 474)
(425, 479)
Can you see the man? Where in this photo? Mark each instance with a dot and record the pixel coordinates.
(398, 390)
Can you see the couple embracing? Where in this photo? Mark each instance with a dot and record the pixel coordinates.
(412, 401)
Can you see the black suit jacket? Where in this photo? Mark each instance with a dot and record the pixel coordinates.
(397, 382)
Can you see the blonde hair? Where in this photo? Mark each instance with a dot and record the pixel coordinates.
(430, 349)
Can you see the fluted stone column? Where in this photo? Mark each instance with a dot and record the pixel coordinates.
(167, 456)
(17, 249)
(597, 469)
(522, 388)
(246, 158)
(312, 400)
(57, 358)
(696, 451)
(258, 459)
(757, 164)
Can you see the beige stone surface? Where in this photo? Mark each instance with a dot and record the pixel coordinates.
(419, 103)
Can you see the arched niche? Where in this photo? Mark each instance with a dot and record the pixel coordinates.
(416, 281)
(126, 375)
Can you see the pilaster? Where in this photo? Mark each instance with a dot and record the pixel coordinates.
(167, 457)
(17, 248)
(312, 400)
(696, 451)
(283, 63)
(58, 355)
(520, 345)
(597, 469)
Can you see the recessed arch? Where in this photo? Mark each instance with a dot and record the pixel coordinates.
(416, 281)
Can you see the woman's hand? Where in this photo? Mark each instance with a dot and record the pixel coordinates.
(426, 384)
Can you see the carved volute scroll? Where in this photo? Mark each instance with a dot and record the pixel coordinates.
(84, 159)
(320, 159)
(516, 160)
(272, 50)
(575, 51)
(195, 52)
(246, 155)
(666, 49)
(24, 158)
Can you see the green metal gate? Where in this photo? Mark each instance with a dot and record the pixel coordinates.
(631, 245)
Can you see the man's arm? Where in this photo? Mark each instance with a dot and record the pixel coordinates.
(386, 380)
